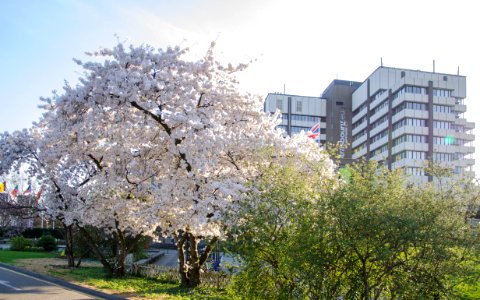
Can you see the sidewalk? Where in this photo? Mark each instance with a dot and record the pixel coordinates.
(63, 283)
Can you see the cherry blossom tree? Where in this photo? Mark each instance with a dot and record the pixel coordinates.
(59, 179)
(174, 142)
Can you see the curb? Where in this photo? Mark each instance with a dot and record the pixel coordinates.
(63, 283)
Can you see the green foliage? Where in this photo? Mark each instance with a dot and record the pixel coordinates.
(47, 242)
(10, 256)
(372, 236)
(271, 225)
(139, 250)
(20, 243)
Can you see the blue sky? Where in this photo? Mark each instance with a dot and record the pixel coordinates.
(300, 44)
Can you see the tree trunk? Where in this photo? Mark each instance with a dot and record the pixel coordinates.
(69, 251)
(190, 263)
(120, 254)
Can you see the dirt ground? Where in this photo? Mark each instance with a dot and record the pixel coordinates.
(43, 265)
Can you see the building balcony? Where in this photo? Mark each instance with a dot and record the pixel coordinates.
(410, 113)
(360, 153)
(358, 116)
(461, 108)
(441, 116)
(409, 130)
(377, 102)
(410, 146)
(359, 128)
(466, 162)
(379, 143)
(378, 114)
(379, 128)
(449, 101)
(359, 141)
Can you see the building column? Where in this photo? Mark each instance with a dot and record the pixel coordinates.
(430, 126)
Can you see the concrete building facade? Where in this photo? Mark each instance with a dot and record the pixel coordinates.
(299, 113)
(401, 118)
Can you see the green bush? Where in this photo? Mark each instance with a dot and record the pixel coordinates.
(20, 243)
(47, 242)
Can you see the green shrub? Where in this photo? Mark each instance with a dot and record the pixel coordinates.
(47, 242)
(20, 243)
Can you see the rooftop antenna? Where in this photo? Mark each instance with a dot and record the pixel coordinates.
(284, 88)
(433, 66)
(381, 62)
(458, 70)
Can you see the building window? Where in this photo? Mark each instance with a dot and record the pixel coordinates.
(379, 122)
(415, 89)
(279, 104)
(414, 171)
(409, 105)
(359, 135)
(410, 122)
(442, 156)
(306, 118)
(298, 106)
(442, 108)
(359, 148)
(379, 107)
(442, 125)
(411, 138)
(379, 136)
(339, 103)
(298, 129)
(359, 109)
(380, 150)
(442, 92)
(415, 155)
(359, 122)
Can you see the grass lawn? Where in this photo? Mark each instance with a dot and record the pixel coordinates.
(135, 286)
(8, 256)
(95, 277)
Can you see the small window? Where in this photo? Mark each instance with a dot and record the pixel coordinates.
(299, 106)
(445, 78)
(339, 102)
(279, 104)
(402, 74)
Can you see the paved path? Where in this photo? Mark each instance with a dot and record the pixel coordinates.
(169, 259)
(17, 284)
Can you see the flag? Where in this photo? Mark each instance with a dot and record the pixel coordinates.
(15, 191)
(28, 190)
(2, 187)
(314, 132)
(39, 194)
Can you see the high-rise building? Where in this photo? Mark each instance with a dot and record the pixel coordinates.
(299, 112)
(398, 117)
